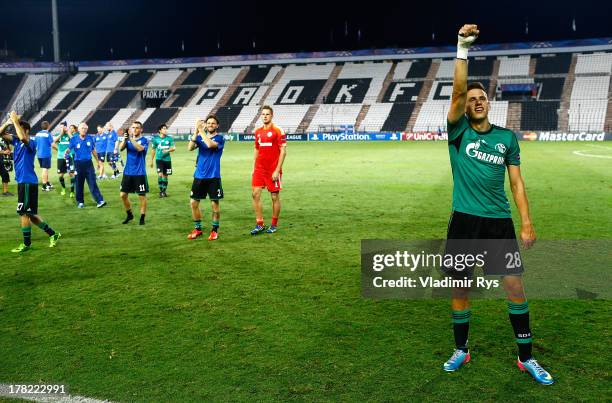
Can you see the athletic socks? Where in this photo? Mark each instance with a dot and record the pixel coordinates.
(461, 327)
(62, 182)
(519, 318)
(142, 219)
(72, 182)
(27, 235)
(215, 226)
(129, 217)
(197, 224)
(260, 222)
(275, 221)
(160, 183)
(43, 226)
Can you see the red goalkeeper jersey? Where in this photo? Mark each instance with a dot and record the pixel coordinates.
(268, 142)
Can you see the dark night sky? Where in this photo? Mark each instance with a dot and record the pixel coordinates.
(89, 29)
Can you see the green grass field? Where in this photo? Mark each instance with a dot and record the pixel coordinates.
(132, 313)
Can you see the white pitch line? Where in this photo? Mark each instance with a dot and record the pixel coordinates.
(583, 154)
(52, 398)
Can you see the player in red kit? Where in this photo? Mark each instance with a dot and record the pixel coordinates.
(270, 151)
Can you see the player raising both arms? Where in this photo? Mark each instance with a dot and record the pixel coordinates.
(163, 146)
(480, 155)
(65, 163)
(135, 173)
(207, 175)
(270, 151)
(27, 182)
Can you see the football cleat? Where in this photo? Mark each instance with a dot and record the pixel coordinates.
(258, 229)
(72, 195)
(101, 204)
(21, 248)
(538, 373)
(194, 234)
(457, 360)
(63, 192)
(272, 229)
(80, 205)
(53, 239)
(213, 236)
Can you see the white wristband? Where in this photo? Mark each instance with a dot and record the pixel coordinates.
(462, 53)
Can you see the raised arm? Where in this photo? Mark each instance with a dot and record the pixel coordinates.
(209, 142)
(517, 185)
(193, 139)
(467, 35)
(6, 136)
(21, 133)
(124, 141)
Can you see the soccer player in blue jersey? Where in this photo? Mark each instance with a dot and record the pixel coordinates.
(83, 146)
(112, 148)
(135, 174)
(100, 140)
(207, 175)
(480, 154)
(44, 139)
(27, 182)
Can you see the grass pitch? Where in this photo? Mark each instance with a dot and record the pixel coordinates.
(139, 313)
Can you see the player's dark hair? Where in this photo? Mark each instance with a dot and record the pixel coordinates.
(76, 129)
(212, 116)
(476, 85)
(100, 127)
(44, 125)
(268, 107)
(159, 129)
(26, 126)
(138, 123)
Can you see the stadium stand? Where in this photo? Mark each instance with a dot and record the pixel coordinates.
(163, 79)
(197, 77)
(334, 116)
(91, 101)
(376, 117)
(571, 93)
(136, 79)
(419, 69)
(74, 81)
(112, 80)
(514, 66)
(120, 99)
(594, 63)
(553, 63)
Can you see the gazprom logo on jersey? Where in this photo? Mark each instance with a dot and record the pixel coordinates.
(473, 151)
(353, 137)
